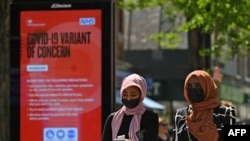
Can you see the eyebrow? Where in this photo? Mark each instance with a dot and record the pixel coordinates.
(197, 84)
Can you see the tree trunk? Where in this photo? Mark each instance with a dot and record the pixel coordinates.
(198, 40)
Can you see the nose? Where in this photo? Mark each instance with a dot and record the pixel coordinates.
(128, 97)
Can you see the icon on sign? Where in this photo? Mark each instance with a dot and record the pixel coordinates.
(71, 134)
(49, 134)
(60, 133)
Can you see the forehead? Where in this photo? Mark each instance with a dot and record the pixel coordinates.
(193, 79)
(162, 121)
(132, 88)
(193, 82)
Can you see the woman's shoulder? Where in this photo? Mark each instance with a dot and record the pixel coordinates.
(225, 113)
(183, 111)
(110, 116)
(224, 110)
(180, 116)
(149, 112)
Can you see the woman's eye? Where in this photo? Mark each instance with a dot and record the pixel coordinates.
(198, 85)
(124, 95)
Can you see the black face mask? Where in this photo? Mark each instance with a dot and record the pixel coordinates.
(131, 103)
(195, 94)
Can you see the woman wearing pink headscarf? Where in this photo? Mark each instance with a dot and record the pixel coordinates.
(133, 120)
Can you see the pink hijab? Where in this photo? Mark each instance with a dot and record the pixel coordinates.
(131, 80)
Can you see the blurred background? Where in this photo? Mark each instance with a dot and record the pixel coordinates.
(164, 40)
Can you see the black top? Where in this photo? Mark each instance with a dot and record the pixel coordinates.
(149, 123)
(223, 115)
(160, 139)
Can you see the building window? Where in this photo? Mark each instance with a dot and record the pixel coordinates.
(238, 76)
(248, 65)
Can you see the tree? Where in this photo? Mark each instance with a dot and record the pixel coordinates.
(4, 70)
(225, 22)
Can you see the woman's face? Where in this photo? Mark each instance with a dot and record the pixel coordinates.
(163, 126)
(131, 92)
(193, 82)
(195, 92)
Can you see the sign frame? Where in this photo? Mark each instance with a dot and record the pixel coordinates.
(107, 56)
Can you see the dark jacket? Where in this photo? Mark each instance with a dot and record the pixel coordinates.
(149, 126)
(223, 115)
(160, 139)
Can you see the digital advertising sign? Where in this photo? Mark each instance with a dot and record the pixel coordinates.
(61, 71)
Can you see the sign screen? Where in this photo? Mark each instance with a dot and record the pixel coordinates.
(60, 75)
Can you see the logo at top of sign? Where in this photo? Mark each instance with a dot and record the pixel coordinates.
(57, 5)
(87, 21)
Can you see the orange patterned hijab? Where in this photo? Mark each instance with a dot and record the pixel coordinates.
(200, 121)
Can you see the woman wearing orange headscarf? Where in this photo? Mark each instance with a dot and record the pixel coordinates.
(205, 116)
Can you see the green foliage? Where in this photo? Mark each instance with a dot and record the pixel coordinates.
(228, 21)
(133, 5)
(170, 40)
